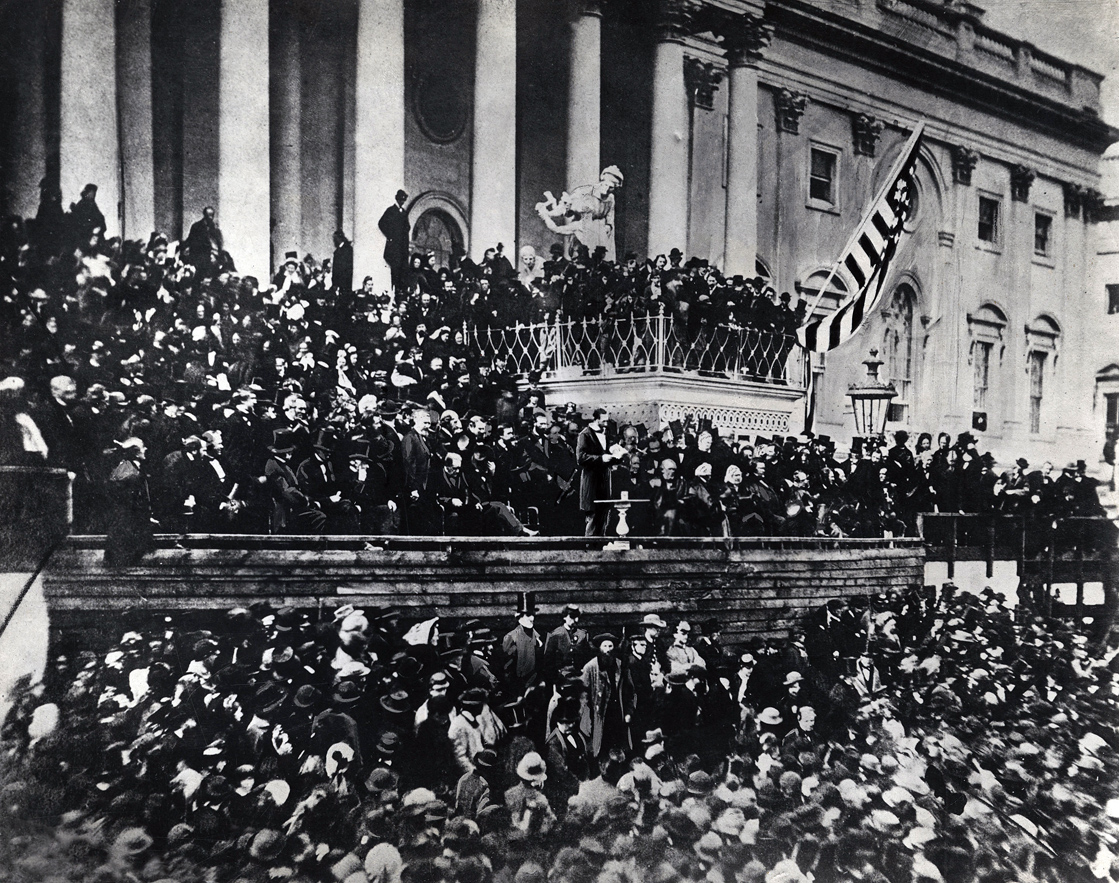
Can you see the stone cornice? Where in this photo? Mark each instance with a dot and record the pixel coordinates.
(805, 23)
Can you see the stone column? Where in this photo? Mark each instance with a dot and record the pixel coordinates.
(584, 94)
(745, 37)
(378, 131)
(287, 141)
(493, 196)
(244, 202)
(134, 56)
(24, 162)
(668, 162)
(89, 151)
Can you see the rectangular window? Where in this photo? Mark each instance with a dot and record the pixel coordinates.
(988, 219)
(1043, 230)
(1113, 299)
(821, 176)
(1112, 401)
(981, 360)
(1037, 386)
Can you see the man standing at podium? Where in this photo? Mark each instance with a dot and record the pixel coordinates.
(594, 458)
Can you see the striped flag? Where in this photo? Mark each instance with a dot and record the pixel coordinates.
(867, 256)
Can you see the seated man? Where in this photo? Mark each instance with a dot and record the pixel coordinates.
(498, 518)
(462, 510)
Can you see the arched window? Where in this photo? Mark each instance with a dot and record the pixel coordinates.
(897, 349)
(836, 294)
(437, 232)
(1042, 337)
(1107, 399)
(987, 327)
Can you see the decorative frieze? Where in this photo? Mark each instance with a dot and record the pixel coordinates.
(702, 79)
(790, 108)
(867, 131)
(1021, 178)
(964, 160)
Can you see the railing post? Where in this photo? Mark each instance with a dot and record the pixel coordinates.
(991, 546)
(954, 521)
(658, 346)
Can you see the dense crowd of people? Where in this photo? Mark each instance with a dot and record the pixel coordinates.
(186, 398)
(923, 737)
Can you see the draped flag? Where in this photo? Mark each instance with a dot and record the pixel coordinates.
(867, 256)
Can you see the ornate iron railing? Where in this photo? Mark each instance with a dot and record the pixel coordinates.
(645, 344)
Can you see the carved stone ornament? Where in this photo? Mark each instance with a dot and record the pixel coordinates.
(677, 18)
(1021, 177)
(1074, 199)
(744, 37)
(1093, 205)
(790, 108)
(964, 160)
(702, 79)
(867, 131)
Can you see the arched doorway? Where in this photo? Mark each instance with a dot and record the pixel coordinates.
(436, 232)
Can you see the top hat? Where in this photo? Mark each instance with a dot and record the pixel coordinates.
(526, 603)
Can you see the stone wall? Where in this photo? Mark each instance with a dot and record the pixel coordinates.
(752, 586)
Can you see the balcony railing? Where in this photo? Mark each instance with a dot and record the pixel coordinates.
(643, 345)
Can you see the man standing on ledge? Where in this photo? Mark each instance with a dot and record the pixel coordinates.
(594, 458)
(396, 229)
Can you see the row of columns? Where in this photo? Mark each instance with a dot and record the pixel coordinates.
(105, 120)
(97, 126)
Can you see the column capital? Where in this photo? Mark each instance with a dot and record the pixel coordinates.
(867, 130)
(790, 107)
(1021, 178)
(676, 19)
(1074, 198)
(964, 160)
(702, 79)
(587, 7)
(744, 36)
(1094, 209)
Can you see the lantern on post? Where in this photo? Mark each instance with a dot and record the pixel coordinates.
(870, 400)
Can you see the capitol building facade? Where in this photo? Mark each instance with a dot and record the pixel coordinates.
(751, 133)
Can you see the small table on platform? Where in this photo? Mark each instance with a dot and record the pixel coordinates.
(621, 506)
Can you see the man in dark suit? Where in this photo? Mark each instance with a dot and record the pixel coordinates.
(204, 243)
(594, 458)
(396, 230)
(418, 484)
(85, 216)
(62, 427)
(343, 277)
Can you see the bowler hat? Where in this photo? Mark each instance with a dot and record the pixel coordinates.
(531, 768)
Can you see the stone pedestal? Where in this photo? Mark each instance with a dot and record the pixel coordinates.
(378, 131)
(657, 399)
(493, 196)
(244, 203)
(89, 151)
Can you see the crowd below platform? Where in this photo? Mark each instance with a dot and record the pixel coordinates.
(186, 398)
(919, 737)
